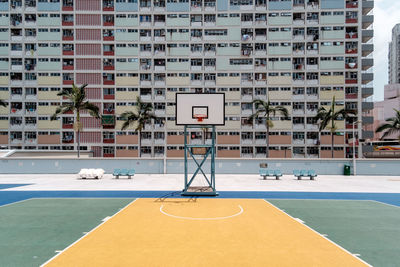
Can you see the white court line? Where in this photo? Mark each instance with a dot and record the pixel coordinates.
(202, 219)
(33, 198)
(86, 234)
(380, 202)
(345, 250)
(16, 202)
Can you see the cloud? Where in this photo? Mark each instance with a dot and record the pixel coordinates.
(386, 15)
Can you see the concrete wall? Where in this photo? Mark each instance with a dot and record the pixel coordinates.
(176, 165)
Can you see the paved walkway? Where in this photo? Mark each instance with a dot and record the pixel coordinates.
(325, 183)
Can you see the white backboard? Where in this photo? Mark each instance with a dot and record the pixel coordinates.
(212, 106)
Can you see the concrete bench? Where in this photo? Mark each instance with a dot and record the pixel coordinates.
(304, 173)
(124, 172)
(270, 173)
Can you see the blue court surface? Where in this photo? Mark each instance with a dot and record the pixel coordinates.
(7, 197)
(6, 186)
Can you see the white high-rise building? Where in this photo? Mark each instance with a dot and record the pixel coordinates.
(296, 53)
(394, 56)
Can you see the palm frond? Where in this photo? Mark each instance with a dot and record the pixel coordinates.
(3, 103)
(283, 111)
(64, 108)
(92, 109)
(383, 127)
(392, 127)
(140, 116)
(390, 132)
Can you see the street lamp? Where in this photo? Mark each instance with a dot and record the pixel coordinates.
(354, 148)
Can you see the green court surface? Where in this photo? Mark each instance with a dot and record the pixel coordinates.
(368, 228)
(31, 231)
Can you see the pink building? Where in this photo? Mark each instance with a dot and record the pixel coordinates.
(384, 109)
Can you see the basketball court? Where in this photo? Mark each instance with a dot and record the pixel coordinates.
(199, 218)
(57, 224)
(203, 232)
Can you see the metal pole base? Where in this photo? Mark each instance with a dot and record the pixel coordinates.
(199, 191)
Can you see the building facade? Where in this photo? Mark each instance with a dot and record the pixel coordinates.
(394, 56)
(385, 109)
(296, 53)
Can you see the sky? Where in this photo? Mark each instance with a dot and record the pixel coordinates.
(386, 15)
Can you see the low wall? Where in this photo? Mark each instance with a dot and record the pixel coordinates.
(175, 165)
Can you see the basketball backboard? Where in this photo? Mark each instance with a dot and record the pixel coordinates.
(200, 109)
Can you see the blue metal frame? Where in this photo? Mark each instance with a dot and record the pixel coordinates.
(210, 152)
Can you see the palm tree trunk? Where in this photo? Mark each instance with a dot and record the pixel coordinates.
(267, 137)
(140, 144)
(332, 137)
(79, 140)
(78, 136)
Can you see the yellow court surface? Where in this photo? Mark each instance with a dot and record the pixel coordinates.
(203, 232)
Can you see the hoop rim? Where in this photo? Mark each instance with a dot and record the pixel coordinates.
(200, 117)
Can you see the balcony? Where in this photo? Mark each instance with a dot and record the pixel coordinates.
(68, 126)
(108, 20)
(16, 126)
(367, 91)
(351, 35)
(351, 96)
(16, 111)
(350, 20)
(108, 109)
(68, 52)
(16, 140)
(367, 120)
(351, 65)
(367, 106)
(108, 82)
(367, 6)
(68, 139)
(352, 4)
(367, 35)
(108, 121)
(68, 38)
(367, 63)
(68, 67)
(367, 77)
(367, 134)
(109, 96)
(351, 80)
(367, 49)
(68, 5)
(367, 21)
(108, 140)
(108, 5)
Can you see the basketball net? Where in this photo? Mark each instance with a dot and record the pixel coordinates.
(200, 117)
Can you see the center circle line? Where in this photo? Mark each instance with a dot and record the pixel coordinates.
(202, 219)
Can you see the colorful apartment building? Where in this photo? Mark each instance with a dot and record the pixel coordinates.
(296, 53)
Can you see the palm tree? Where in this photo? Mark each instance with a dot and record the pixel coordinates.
(142, 114)
(391, 127)
(3, 103)
(324, 117)
(77, 103)
(264, 109)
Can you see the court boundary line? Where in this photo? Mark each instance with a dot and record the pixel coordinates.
(336, 199)
(202, 219)
(88, 233)
(305, 225)
(33, 198)
(16, 202)
(380, 202)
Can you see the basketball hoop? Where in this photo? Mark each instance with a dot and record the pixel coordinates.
(200, 117)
